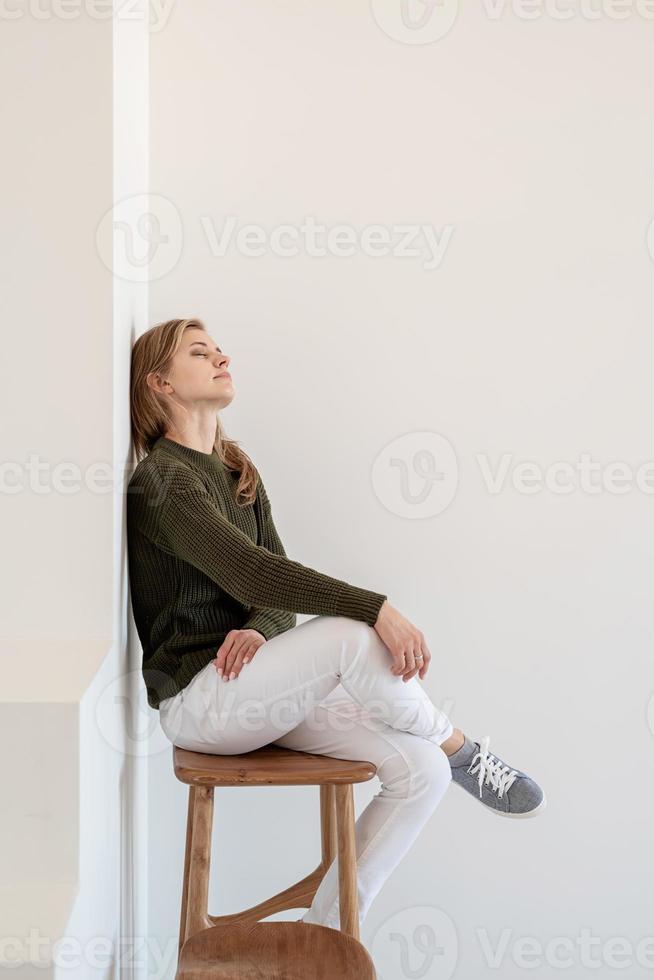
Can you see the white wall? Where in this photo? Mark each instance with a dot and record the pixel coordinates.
(532, 140)
(74, 112)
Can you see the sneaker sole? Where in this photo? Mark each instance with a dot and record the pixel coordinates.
(502, 813)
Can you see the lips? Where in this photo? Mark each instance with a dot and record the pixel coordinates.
(225, 374)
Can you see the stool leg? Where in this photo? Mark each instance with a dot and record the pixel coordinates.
(187, 865)
(328, 824)
(347, 862)
(195, 900)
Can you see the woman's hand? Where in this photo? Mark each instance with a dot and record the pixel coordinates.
(405, 643)
(238, 648)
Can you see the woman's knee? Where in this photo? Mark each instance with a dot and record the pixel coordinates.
(359, 634)
(354, 629)
(418, 769)
(433, 770)
(354, 636)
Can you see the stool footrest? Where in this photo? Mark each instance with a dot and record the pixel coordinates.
(297, 896)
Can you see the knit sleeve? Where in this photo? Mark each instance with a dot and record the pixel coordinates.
(268, 622)
(193, 527)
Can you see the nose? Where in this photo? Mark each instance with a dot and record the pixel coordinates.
(222, 360)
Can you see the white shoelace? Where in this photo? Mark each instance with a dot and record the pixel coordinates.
(498, 776)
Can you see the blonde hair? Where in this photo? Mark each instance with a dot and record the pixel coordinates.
(153, 351)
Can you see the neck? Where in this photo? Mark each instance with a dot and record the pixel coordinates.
(199, 434)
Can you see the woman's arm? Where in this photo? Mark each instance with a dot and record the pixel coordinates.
(192, 527)
(268, 622)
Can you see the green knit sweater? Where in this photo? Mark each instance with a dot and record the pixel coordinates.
(201, 565)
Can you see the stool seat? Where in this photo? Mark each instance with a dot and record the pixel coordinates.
(271, 765)
(275, 950)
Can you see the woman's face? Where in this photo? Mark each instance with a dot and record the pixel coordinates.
(199, 371)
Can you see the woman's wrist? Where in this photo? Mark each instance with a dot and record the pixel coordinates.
(382, 609)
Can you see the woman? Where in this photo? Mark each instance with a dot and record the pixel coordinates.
(215, 596)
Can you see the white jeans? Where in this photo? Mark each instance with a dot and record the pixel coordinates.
(326, 687)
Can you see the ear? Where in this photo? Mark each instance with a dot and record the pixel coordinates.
(156, 382)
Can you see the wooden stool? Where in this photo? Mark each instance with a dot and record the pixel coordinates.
(274, 951)
(202, 937)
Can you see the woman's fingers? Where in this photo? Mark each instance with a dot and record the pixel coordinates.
(223, 652)
(238, 648)
(426, 659)
(412, 666)
(234, 669)
(234, 660)
(229, 653)
(405, 665)
(408, 663)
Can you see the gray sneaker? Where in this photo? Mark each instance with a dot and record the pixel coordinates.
(506, 791)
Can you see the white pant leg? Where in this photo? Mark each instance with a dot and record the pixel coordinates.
(414, 774)
(287, 677)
